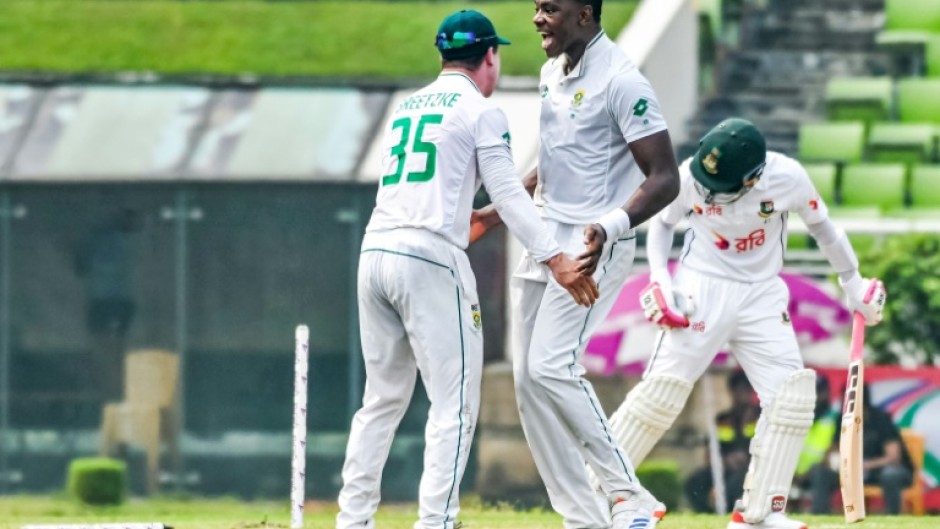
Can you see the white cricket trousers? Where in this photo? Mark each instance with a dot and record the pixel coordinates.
(417, 302)
(750, 318)
(563, 421)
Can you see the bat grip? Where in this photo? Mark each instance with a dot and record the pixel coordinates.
(858, 337)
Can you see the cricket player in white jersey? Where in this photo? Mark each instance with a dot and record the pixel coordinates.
(737, 198)
(605, 157)
(417, 296)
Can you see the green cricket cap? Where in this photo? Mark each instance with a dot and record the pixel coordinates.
(465, 34)
(729, 154)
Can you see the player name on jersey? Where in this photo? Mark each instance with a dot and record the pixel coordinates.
(440, 99)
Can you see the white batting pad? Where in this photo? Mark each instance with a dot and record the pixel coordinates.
(647, 412)
(777, 446)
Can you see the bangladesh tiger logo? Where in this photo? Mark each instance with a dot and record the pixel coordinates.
(710, 161)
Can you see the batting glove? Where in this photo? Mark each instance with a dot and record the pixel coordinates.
(659, 303)
(865, 296)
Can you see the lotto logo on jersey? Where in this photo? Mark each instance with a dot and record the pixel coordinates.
(778, 504)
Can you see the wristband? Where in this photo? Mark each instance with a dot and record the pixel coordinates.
(615, 223)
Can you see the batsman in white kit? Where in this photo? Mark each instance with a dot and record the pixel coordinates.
(727, 290)
(417, 296)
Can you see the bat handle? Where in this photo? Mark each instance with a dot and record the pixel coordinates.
(858, 337)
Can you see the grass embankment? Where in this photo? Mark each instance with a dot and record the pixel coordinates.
(322, 38)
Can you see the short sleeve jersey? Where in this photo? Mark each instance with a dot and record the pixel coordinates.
(588, 119)
(429, 167)
(745, 240)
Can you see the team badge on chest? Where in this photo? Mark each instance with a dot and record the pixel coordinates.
(577, 99)
(766, 208)
(477, 317)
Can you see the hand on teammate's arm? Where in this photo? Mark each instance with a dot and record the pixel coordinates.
(483, 220)
(594, 239)
(582, 288)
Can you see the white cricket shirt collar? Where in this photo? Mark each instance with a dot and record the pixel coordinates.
(578, 70)
(452, 73)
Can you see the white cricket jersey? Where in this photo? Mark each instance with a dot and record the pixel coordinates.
(745, 240)
(430, 171)
(588, 119)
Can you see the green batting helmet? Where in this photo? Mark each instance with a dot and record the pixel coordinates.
(728, 156)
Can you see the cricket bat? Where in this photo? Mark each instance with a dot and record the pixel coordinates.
(850, 442)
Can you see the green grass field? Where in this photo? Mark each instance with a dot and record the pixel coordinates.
(16, 511)
(328, 38)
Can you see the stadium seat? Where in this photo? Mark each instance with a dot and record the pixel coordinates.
(932, 56)
(823, 176)
(909, 21)
(864, 99)
(918, 100)
(842, 141)
(147, 416)
(869, 184)
(925, 186)
(908, 143)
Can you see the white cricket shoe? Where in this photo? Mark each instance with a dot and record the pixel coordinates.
(659, 510)
(774, 520)
(633, 510)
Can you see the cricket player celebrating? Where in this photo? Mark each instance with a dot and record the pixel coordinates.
(605, 156)
(417, 295)
(737, 197)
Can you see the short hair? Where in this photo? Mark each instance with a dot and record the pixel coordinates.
(468, 63)
(596, 6)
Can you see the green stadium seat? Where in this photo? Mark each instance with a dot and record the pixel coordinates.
(925, 186)
(914, 15)
(908, 143)
(842, 141)
(873, 185)
(909, 25)
(823, 176)
(859, 99)
(909, 21)
(932, 56)
(919, 100)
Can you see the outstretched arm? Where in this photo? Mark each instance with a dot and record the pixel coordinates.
(515, 207)
(486, 218)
